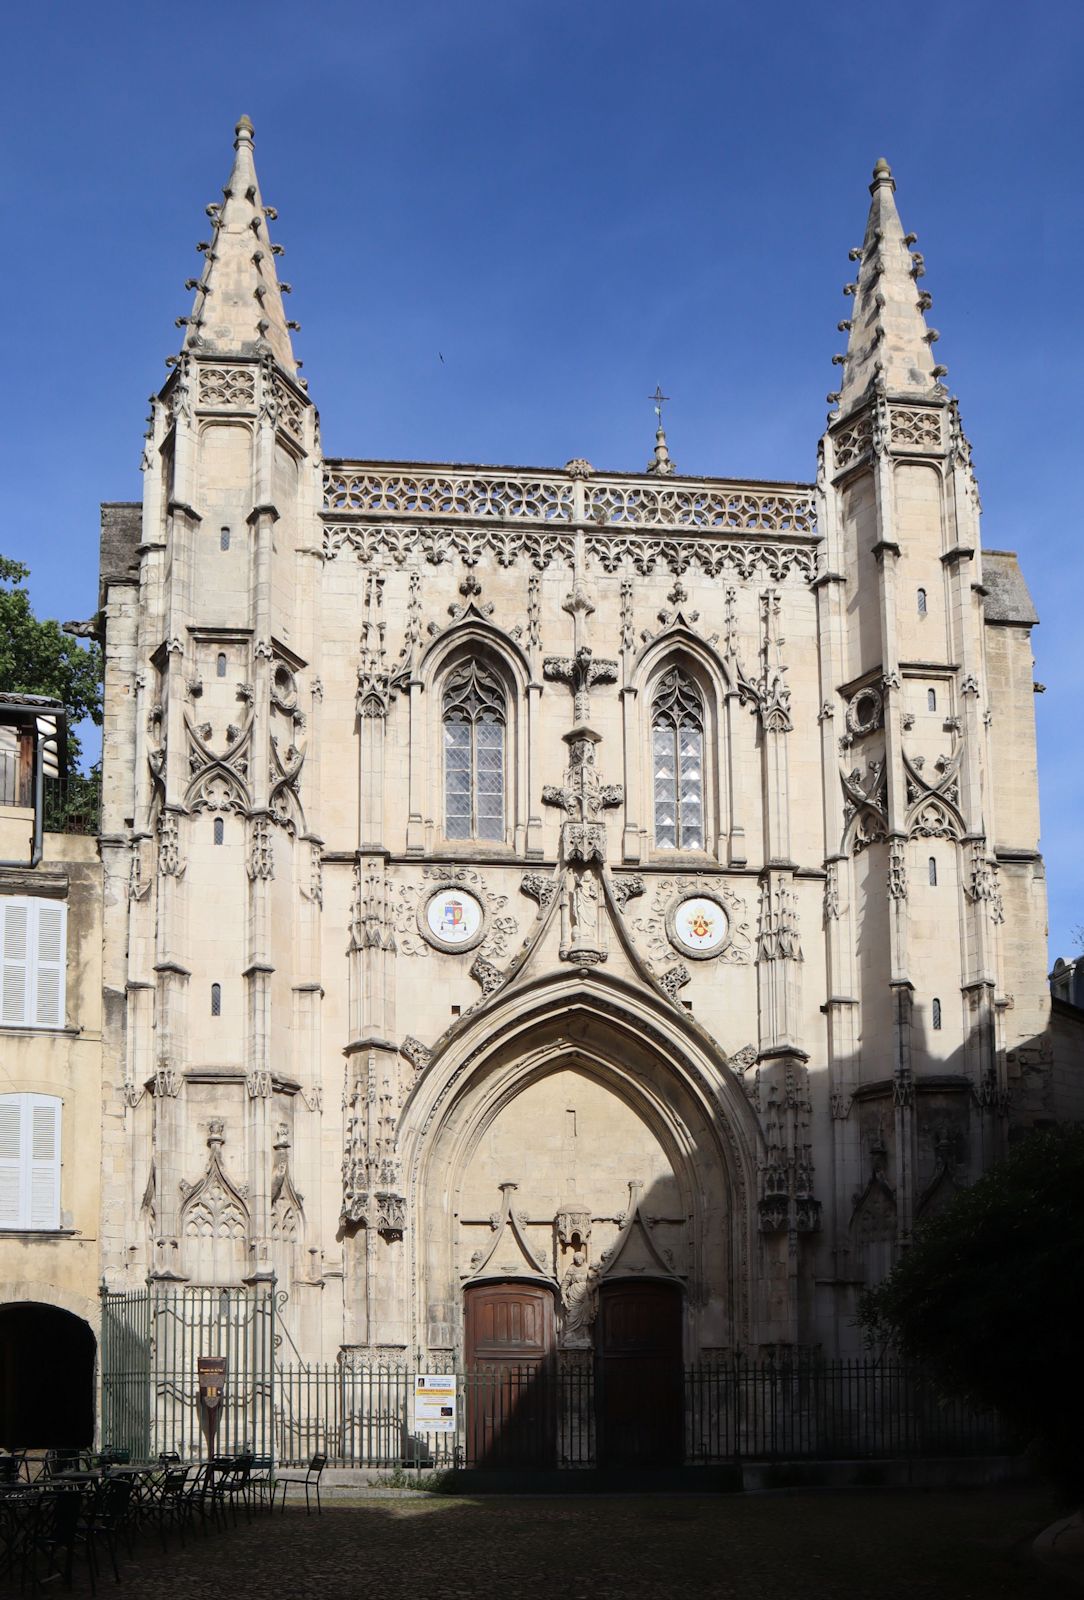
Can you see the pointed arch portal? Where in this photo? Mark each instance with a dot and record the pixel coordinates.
(566, 1093)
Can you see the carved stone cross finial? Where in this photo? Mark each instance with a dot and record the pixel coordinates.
(583, 798)
(581, 672)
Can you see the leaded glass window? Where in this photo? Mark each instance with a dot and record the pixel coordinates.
(474, 723)
(677, 750)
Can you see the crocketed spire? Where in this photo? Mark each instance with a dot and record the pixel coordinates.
(889, 343)
(238, 303)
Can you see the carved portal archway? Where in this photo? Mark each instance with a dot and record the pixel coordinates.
(665, 1126)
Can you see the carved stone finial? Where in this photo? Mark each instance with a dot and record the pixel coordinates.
(882, 173)
(660, 465)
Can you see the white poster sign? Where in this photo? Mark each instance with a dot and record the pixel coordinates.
(435, 1395)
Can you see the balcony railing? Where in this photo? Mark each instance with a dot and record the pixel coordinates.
(73, 805)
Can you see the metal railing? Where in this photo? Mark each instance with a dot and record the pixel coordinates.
(570, 1411)
(730, 1412)
(73, 805)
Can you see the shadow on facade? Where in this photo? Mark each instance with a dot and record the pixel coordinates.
(942, 1120)
(46, 1378)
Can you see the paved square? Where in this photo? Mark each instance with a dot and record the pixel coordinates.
(858, 1546)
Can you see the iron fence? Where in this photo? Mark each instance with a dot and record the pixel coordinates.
(733, 1411)
(570, 1412)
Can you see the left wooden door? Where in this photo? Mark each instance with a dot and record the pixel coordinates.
(511, 1387)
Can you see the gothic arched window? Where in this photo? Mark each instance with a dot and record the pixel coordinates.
(937, 1016)
(922, 602)
(474, 722)
(677, 754)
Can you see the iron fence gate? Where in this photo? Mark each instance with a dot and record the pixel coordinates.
(150, 1393)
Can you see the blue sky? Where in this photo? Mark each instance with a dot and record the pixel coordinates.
(571, 203)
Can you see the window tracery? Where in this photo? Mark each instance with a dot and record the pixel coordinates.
(677, 753)
(474, 716)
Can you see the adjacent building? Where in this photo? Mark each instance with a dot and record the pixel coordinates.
(50, 1083)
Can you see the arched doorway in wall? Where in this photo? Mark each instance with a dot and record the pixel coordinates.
(639, 1373)
(510, 1351)
(581, 1136)
(46, 1377)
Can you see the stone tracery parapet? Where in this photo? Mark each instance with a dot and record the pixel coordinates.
(610, 501)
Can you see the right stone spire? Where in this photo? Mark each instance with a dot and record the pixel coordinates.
(889, 344)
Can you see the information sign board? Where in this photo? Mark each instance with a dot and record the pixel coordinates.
(435, 1396)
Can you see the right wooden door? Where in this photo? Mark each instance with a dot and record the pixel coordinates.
(639, 1374)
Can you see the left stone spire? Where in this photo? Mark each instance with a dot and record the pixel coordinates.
(238, 307)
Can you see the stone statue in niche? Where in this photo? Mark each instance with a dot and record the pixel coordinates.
(583, 910)
(579, 1301)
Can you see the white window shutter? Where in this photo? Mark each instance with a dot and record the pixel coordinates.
(11, 1166)
(14, 985)
(44, 1162)
(49, 969)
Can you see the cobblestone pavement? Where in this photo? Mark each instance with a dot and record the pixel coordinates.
(856, 1546)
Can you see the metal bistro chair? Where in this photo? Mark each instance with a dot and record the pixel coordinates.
(231, 1482)
(57, 1530)
(176, 1497)
(261, 1481)
(310, 1479)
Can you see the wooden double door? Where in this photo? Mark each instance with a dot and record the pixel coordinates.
(514, 1396)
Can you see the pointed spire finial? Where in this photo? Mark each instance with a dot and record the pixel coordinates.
(238, 308)
(888, 342)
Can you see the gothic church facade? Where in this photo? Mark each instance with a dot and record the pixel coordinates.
(536, 893)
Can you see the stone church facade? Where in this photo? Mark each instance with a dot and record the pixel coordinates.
(535, 889)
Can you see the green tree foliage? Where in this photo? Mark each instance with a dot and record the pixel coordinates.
(38, 657)
(989, 1298)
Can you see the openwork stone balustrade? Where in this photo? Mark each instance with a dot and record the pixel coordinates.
(626, 502)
